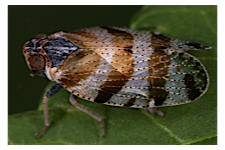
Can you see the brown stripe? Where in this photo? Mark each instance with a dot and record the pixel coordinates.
(159, 41)
(193, 91)
(158, 64)
(129, 49)
(195, 88)
(103, 97)
(109, 88)
(122, 39)
(81, 38)
(72, 74)
(118, 33)
(130, 102)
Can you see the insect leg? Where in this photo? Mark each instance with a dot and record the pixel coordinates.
(73, 100)
(154, 110)
(54, 89)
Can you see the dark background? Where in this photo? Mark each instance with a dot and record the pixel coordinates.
(24, 22)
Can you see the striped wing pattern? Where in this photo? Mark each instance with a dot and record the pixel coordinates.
(123, 67)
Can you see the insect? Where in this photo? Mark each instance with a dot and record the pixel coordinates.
(118, 67)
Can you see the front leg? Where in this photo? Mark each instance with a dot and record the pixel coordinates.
(54, 89)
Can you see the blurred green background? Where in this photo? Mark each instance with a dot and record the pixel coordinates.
(24, 22)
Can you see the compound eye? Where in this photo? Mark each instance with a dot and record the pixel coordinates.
(37, 62)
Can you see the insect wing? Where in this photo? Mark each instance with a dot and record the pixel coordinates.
(130, 68)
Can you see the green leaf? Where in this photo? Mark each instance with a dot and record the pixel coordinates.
(194, 123)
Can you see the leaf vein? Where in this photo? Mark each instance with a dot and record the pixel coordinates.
(163, 127)
(202, 138)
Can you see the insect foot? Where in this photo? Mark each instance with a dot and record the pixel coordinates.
(154, 110)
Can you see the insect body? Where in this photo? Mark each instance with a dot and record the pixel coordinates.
(119, 67)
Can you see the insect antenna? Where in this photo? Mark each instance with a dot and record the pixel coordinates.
(23, 83)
